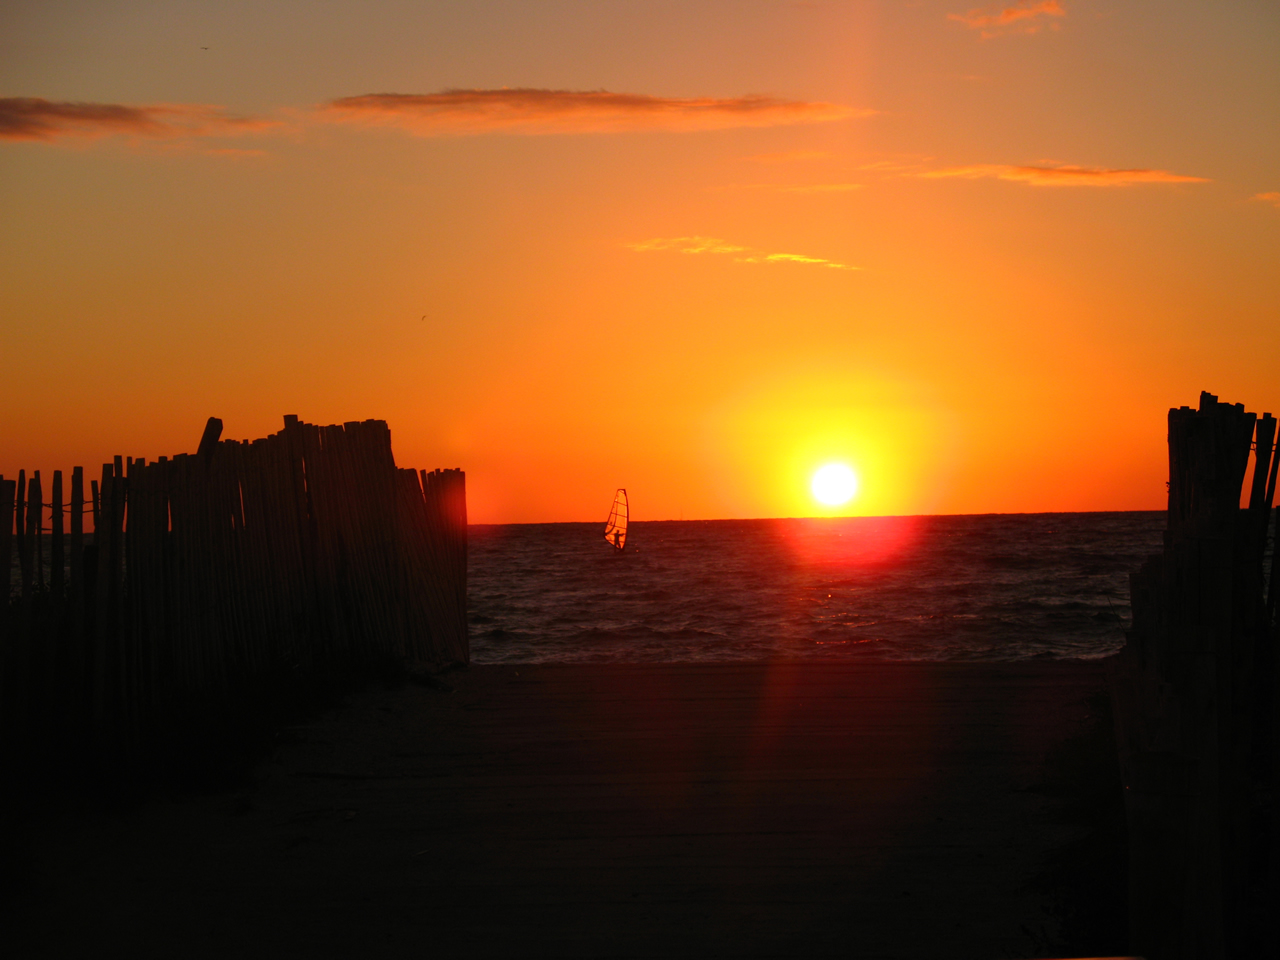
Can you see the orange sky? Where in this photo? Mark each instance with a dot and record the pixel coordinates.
(692, 248)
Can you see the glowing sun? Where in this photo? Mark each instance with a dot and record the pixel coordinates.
(834, 484)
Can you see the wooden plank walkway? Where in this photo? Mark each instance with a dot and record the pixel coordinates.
(765, 810)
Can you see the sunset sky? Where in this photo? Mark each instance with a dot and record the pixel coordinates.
(697, 249)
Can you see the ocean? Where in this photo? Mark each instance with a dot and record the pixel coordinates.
(998, 587)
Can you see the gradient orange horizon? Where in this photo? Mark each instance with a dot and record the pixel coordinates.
(694, 249)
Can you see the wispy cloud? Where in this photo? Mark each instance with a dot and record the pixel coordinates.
(739, 253)
(541, 112)
(1062, 176)
(790, 156)
(687, 245)
(795, 258)
(1025, 16)
(33, 118)
(1272, 198)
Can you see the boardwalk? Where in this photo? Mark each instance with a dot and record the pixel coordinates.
(874, 810)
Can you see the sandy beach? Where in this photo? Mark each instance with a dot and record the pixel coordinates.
(754, 809)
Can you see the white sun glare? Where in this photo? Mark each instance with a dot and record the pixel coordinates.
(834, 484)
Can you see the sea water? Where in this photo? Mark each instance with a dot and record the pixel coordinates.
(994, 587)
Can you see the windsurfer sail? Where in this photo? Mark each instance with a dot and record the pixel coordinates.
(615, 528)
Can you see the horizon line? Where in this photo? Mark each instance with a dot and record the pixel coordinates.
(860, 516)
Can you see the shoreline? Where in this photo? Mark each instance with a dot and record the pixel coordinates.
(887, 809)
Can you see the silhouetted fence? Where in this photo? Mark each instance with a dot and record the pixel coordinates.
(1195, 687)
(210, 579)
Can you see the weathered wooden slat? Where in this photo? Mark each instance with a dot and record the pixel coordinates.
(77, 680)
(239, 573)
(380, 469)
(365, 481)
(8, 492)
(130, 632)
(77, 530)
(439, 555)
(284, 556)
(418, 586)
(373, 473)
(40, 505)
(180, 597)
(33, 576)
(351, 527)
(287, 513)
(226, 644)
(118, 648)
(365, 614)
(260, 611)
(1273, 589)
(57, 555)
(203, 617)
(209, 439)
(451, 495)
(278, 562)
(326, 630)
(20, 528)
(139, 556)
(308, 470)
(201, 614)
(99, 615)
(162, 604)
(19, 653)
(331, 524)
(297, 496)
(156, 602)
(57, 640)
(296, 519)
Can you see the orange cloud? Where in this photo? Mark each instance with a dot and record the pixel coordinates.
(716, 245)
(1023, 17)
(1063, 176)
(1271, 198)
(687, 245)
(33, 118)
(795, 258)
(540, 112)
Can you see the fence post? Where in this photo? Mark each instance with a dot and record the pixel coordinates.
(206, 574)
(1195, 703)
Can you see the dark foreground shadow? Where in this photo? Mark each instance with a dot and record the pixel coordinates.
(755, 810)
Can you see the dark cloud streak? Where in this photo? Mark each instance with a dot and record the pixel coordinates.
(545, 112)
(34, 118)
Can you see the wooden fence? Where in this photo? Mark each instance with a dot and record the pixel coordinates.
(209, 579)
(1195, 701)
